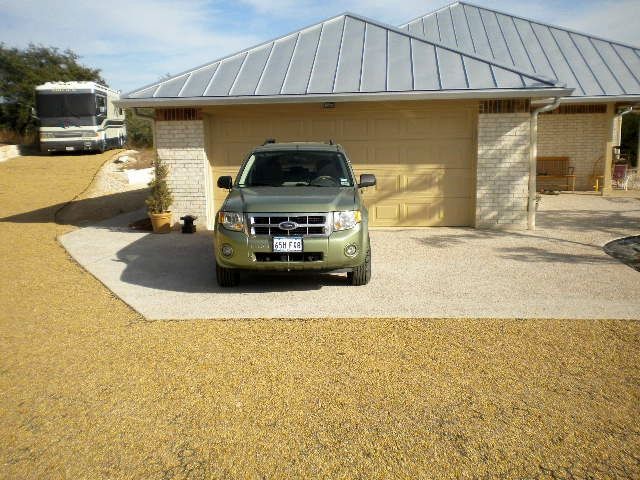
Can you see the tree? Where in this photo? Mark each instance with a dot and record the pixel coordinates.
(22, 70)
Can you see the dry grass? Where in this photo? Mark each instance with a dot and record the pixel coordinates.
(90, 390)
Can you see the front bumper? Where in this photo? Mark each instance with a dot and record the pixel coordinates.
(64, 145)
(331, 247)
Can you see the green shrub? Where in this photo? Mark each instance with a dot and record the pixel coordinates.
(160, 199)
(139, 131)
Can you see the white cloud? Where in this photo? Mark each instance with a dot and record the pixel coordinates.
(149, 37)
(136, 42)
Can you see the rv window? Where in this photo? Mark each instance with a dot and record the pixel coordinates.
(101, 105)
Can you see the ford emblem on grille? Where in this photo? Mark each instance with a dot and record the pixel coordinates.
(288, 225)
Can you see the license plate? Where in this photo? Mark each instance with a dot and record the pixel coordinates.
(70, 148)
(287, 244)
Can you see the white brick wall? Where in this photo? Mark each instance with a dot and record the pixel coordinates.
(502, 185)
(582, 137)
(181, 145)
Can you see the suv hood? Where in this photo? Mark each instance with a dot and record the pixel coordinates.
(290, 199)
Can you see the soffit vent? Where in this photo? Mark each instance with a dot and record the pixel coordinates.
(178, 114)
(505, 106)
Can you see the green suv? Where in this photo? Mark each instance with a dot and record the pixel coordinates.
(293, 207)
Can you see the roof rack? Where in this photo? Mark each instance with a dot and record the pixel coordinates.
(269, 140)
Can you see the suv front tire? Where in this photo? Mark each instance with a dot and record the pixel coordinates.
(227, 277)
(362, 273)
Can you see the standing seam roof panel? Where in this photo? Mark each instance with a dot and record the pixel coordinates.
(224, 76)
(431, 30)
(600, 69)
(555, 56)
(451, 69)
(479, 73)
(249, 75)
(399, 70)
(172, 87)
(276, 67)
(624, 75)
(445, 27)
(302, 61)
(325, 65)
(591, 65)
(478, 33)
(514, 43)
(496, 40)
(463, 36)
(198, 81)
(350, 61)
(588, 82)
(374, 60)
(425, 67)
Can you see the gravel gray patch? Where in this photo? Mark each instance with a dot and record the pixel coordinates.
(558, 271)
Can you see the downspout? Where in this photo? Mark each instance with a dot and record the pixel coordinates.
(533, 155)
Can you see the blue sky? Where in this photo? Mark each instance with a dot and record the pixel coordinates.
(136, 42)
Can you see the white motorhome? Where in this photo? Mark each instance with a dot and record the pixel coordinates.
(79, 116)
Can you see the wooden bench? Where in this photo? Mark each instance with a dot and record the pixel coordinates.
(553, 168)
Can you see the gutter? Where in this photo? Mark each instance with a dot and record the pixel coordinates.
(194, 102)
(533, 156)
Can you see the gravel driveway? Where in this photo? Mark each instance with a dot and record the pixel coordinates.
(558, 271)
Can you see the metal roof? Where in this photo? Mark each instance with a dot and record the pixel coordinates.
(593, 66)
(344, 56)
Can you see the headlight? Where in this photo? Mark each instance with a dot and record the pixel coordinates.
(90, 134)
(231, 221)
(346, 220)
(46, 135)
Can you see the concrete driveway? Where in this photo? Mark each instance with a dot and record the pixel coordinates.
(558, 271)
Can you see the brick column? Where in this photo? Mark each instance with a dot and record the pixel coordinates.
(180, 144)
(503, 170)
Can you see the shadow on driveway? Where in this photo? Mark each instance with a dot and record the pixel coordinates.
(185, 263)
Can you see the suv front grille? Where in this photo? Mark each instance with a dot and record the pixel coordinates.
(269, 224)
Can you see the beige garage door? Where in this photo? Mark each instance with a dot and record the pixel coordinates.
(422, 153)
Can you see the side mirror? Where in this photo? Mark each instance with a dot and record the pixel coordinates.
(34, 114)
(367, 180)
(225, 182)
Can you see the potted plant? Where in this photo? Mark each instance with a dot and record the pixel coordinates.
(160, 199)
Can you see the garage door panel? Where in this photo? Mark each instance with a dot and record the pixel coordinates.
(446, 183)
(385, 214)
(447, 211)
(356, 129)
(423, 157)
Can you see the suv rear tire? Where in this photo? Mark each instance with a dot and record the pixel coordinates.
(362, 273)
(227, 277)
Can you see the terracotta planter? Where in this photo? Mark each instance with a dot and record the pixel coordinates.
(161, 222)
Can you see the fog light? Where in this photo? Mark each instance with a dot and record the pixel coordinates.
(227, 250)
(350, 250)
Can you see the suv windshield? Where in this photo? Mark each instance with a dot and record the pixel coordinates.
(297, 168)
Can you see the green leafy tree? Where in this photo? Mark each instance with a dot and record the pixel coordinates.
(160, 199)
(21, 70)
(139, 130)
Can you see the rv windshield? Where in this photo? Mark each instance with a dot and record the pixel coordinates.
(65, 104)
